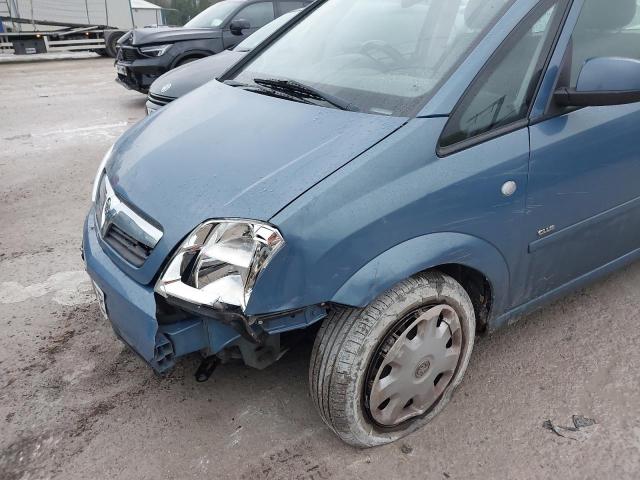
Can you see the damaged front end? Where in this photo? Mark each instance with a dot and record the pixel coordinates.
(161, 327)
(228, 334)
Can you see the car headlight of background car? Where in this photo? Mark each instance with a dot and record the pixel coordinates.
(156, 50)
(219, 263)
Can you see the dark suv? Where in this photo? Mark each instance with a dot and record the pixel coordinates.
(146, 53)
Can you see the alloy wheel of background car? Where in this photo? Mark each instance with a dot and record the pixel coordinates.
(380, 373)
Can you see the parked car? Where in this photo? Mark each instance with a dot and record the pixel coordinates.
(182, 80)
(146, 53)
(405, 187)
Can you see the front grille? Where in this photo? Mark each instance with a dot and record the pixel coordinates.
(127, 247)
(128, 54)
(160, 99)
(131, 236)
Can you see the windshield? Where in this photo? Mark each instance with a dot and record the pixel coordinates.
(256, 39)
(214, 16)
(635, 23)
(380, 56)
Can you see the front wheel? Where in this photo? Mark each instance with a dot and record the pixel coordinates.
(380, 373)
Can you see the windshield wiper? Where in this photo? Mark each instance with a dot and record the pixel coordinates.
(269, 92)
(235, 83)
(301, 90)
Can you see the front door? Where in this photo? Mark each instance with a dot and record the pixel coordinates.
(257, 14)
(490, 124)
(583, 200)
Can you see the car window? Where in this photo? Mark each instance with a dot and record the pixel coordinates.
(214, 16)
(257, 14)
(382, 57)
(286, 6)
(405, 23)
(257, 38)
(635, 24)
(605, 29)
(504, 90)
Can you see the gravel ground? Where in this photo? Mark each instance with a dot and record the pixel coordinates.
(75, 404)
(39, 57)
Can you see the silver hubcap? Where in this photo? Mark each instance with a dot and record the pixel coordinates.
(417, 367)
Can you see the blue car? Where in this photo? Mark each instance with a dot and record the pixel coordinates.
(395, 176)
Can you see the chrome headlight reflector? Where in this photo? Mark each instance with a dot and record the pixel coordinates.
(219, 263)
(96, 181)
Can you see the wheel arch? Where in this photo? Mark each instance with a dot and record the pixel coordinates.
(476, 264)
(197, 54)
(477, 286)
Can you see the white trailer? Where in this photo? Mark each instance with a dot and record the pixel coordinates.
(40, 26)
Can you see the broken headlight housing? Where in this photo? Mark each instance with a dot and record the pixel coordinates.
(219, 263)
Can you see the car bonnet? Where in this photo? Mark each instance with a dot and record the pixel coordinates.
(223, 152)
(159, 35)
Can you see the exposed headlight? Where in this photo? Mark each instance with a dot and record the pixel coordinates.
(156, 50)
(96, 181)
(220, 262)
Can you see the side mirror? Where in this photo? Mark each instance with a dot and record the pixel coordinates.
(603, 81)
(237, 26)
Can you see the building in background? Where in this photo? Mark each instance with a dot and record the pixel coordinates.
(147, 13)
(40, 26)
(30, 15)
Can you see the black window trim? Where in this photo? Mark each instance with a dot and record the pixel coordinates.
(503, 130)
(552, 110)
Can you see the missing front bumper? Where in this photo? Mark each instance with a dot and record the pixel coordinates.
(161, 339)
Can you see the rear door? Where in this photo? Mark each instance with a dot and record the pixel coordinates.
(258, 14)
(584, 180)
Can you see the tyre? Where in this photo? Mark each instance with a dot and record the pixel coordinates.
(111, 43)
(379, 373)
